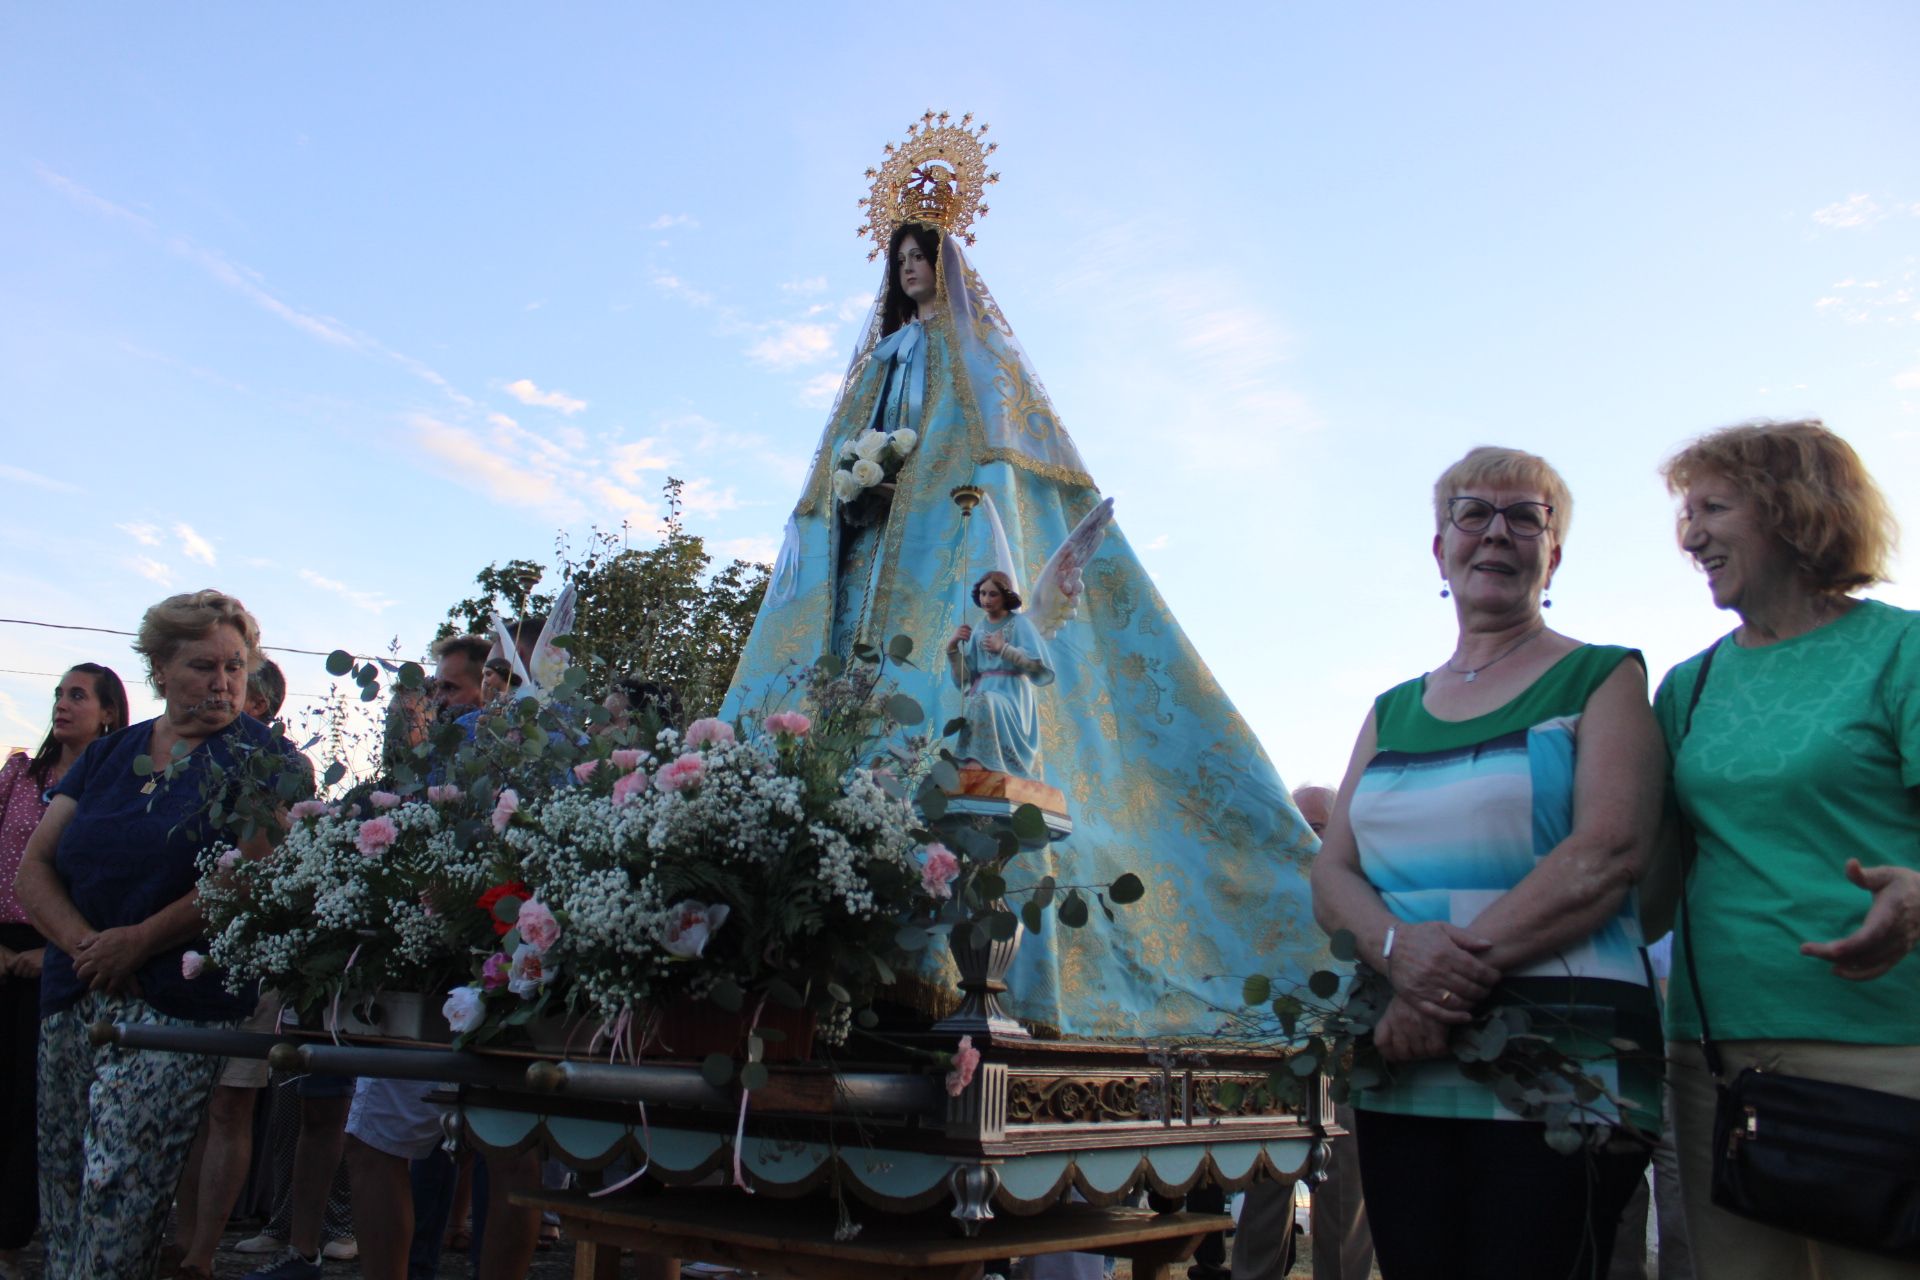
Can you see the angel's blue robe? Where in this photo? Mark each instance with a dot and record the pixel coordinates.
(1162, 776)
(997, 696)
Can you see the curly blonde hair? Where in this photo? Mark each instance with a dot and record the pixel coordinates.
(1499, 468)
(190, 616)
(1812, 489)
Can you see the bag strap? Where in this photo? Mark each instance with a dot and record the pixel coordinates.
(1707, 1048)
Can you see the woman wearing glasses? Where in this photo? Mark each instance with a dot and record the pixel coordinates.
(1483, 850)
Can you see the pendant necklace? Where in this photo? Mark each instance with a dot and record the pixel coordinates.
(1511, 649)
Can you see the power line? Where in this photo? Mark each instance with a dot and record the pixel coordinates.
(109, 631)
(55, 675)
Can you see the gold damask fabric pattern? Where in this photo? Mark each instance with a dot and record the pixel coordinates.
(1163, 777)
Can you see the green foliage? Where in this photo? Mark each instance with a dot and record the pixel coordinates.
(659, 613)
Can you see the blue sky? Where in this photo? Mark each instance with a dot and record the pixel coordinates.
(330, 306)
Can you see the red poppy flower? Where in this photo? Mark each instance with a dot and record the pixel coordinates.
(488, 900)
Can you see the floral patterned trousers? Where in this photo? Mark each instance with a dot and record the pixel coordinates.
(115, 1129)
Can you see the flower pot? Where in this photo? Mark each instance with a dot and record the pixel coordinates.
(696, 1028)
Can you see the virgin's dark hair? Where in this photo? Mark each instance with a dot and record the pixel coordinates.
(899, 308)
(112, 697)
(1008, 596)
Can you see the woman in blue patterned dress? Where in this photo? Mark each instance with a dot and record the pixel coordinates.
(1483, 851)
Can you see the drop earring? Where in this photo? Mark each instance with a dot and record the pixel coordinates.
(1445, 592)
(1546, 601)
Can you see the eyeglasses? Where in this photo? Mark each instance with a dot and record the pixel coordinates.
(1475, 515)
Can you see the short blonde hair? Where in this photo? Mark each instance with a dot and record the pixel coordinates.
(1812, 488)
(1499, 468)
(190, 616)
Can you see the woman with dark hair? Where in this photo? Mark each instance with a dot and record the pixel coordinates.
(1796, 762)
(997, 669)
(89, 703)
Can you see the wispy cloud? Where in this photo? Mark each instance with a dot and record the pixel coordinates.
(1158, 544)
(667, 221)
(812, 284)
(1886, 301)
(818, 391)
(1858, 210)
(793, 344)
(147, 535)
(371, 601)
(755, 550)
(527, 393)
(150, 569)
(192, 545)
(20, 475)
(631, 463)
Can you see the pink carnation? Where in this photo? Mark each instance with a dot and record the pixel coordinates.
(505, 805)
(445, 793)
(376, 836)
(966, 1061)
(788, 722)
(537, 925)
(627, 757)
(628, 788)
(309, 809)
(709, 730)
(383, 800)
(682, 773)
(690, 925)
(584, 770)
(192, 965)
(494, 973)
(228, 860)
(939, 871)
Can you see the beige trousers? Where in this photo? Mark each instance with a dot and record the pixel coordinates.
(1729, 1247)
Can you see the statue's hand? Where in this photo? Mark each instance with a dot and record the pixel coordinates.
(960, 637)
(994, 643)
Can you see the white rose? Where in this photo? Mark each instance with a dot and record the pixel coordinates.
(846, 452)
(871, 444)
(464, 1009)
(845, 487)
(904, 439)
(868, 473)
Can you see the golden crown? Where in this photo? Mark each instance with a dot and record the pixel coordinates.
(936, 176)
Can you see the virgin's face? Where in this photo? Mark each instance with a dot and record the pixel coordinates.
(1723, 529)
(917, 277)
(1493, 571)
(205, 682)
(78, 717)
(992, 599)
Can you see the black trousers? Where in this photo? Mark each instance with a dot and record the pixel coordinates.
(19, 1123)
(1488, 1200)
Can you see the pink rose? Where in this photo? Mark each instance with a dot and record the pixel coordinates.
(445, 793)
(939, 871)
(627, 757)
(709, 730)
(528, 972)
(966, 1061)
(494, 973)
(309, 809)
(228, 860)
(537, 925)
(788, 722)
(585, 770)
(681, 774)
(505, 805)
(376, 836)
(690, 925)
(628, 787)
(192, 965)
(383, 800)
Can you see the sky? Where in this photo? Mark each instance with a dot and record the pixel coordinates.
(331, 306)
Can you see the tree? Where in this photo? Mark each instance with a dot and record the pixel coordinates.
(652, 614)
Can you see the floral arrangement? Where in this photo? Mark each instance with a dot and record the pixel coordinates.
(869, 464)
(374, 893)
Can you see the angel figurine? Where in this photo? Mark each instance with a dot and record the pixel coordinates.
(998, 666)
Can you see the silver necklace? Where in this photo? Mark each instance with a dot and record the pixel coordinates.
(1511, 649)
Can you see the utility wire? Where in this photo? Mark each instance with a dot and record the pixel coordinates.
(109, 631)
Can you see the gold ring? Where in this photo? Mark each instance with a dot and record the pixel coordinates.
(1446, 997)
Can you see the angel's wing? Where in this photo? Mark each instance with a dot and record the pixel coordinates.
(549, 660)
(1056, 592)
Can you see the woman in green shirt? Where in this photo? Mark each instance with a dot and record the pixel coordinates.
(1800, 776)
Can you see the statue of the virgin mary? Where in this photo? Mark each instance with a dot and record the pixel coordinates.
(1162, 775)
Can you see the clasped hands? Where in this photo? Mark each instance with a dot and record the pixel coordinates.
(1438, 977)
(107, 960)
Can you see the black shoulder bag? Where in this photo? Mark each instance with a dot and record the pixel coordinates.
(1830, 1161)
